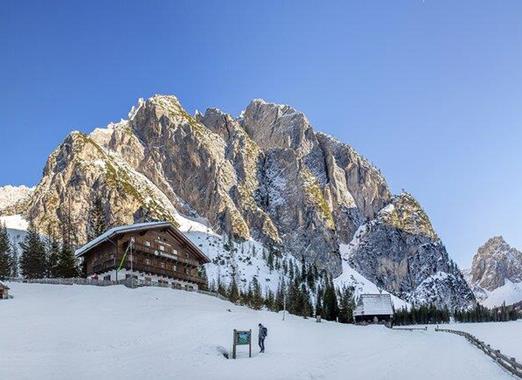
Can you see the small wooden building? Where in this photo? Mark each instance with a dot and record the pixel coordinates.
(373, 308)
(155, 252)
(4, 291)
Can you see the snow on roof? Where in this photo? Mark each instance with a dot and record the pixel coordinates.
(119, 230)
(3, 286)
(374, 304)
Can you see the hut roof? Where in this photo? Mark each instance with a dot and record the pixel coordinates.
(374, 304)
(140, 227)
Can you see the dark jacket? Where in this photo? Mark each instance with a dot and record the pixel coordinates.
(262, 332)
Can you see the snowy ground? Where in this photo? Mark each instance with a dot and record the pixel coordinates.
(504, 336)
(87, 332)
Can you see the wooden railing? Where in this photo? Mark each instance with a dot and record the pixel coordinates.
(410, 328)
(506, 362)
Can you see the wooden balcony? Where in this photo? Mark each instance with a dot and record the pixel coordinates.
(167, 255)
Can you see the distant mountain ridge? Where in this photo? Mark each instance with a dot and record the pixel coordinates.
(266, 176)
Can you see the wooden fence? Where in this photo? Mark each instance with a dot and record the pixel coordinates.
(508, 363)
(411, 328)
(130, 283)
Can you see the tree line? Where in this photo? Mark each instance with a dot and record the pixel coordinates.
(424, 314)
(37, 256)
(303, 290)
(48, 255)
(483, 314)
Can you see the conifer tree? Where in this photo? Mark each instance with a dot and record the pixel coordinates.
(280, 296)
(67, 265)
(5, 253)
(346, 305)
(96, 223)
(52, 257)
(14, 260)
(32, 259)
(319, 302)
(256, 300)
(233, 291)
(330, 305)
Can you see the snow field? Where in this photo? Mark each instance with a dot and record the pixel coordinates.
(503, 336)
(85, 332)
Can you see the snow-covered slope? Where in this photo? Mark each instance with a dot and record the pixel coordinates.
(9, 195)
(87, 332)
(509, 293)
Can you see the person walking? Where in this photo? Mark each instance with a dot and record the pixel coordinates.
(263, 332)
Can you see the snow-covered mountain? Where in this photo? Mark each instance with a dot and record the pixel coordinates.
(265, 179)
(10, 195)
(496, 273)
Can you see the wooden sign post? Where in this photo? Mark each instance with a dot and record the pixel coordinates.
(242, 338)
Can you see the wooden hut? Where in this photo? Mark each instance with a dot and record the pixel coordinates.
(155, 252)
(373, 308)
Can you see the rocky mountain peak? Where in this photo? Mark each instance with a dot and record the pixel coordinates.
(406, 214)
(494, 263)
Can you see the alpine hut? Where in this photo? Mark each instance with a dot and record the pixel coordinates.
(155, 252)
(373, 308)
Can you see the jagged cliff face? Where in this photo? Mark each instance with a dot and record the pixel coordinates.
(494, 263)
(266, 175)
(400, 252)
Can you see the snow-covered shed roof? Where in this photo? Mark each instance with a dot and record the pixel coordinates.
(374, 304)
(133, 228)
(3, 286)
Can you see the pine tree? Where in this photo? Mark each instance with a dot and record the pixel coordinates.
(256, 300)
(67, 266)
(5, 253)
(346, 305)
(233, 291)
(52, 257)
(319, 302)
(96, 223)
(32, 260)
(14, 260)
(280, 296)
(330, 305)
(306, 305)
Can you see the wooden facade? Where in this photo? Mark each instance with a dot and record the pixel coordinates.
(4, 292)
(148, 252)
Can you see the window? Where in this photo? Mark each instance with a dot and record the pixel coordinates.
(107, 278)
(174, 267)
(187, 271)
(174, 252)
(147, 261)
(147, 244)
(162, 248)
(187, 254)
(162, 265)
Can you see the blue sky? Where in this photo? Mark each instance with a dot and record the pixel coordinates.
(429, 91)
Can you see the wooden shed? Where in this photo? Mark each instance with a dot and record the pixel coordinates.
(373, 308)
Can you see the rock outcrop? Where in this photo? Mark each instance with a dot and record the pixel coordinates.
(400, 252)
